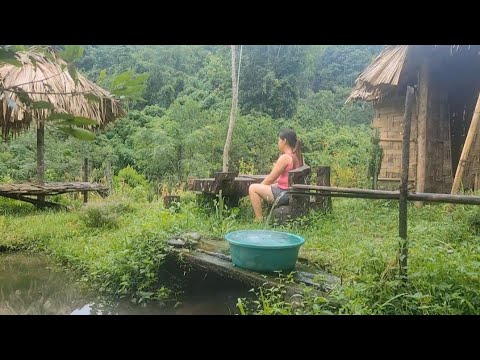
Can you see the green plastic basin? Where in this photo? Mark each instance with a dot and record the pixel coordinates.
(264, 250)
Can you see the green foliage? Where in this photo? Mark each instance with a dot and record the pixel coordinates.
(42, 105)
(269, 79)
(78, 133)
(104, 215)
(129, 84)
(129, 176)
(270, 300)
(341, 64)
(224, 220)
(473, 222)
(8, 56)
(72, 53)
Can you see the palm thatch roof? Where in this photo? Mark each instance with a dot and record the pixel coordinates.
(383, 73)
(46, 78)
(396, 66)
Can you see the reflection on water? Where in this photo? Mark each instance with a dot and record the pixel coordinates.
(29, 287)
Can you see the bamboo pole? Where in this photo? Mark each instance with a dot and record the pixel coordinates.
(466, 148)
(345, 195)
(345, 190)
(326, 191)
(402, 209)
(423, 83)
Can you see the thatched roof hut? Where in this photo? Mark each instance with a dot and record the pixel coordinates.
(46, 78)
(44, 84)
(447, 83)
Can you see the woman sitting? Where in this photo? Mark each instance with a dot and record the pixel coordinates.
(275, 184)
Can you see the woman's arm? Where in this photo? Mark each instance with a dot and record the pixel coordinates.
(277, 170)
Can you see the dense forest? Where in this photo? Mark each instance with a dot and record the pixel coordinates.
(176, 126)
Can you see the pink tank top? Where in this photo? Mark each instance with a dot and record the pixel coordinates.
(283, 178)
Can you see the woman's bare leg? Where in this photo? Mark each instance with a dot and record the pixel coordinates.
(258, 192)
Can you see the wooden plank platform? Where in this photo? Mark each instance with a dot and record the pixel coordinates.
(22, 192)
(52, 188)
(213, 256)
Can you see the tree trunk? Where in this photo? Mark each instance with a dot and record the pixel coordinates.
(228, 142)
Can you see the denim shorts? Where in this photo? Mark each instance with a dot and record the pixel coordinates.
(277, 192)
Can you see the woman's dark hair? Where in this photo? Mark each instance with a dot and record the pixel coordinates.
(294, 142)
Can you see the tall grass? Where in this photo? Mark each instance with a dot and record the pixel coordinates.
(357, 242)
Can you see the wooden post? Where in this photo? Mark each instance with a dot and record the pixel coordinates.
(41, 157)
(402, 218)
(423, 83)
(323, 179)
(108, 175)
(298, 203)
(85, 179)
(466, 148)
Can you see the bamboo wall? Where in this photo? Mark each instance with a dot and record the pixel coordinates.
(439, 177)
(388, 120)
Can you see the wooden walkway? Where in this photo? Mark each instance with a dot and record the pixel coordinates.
(53, 188)
(22, 191)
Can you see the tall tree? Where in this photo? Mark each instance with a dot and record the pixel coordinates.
(228, 142)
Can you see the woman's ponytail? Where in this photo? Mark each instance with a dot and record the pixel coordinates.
(297, 150)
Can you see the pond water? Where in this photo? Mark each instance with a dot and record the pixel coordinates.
(30, 286)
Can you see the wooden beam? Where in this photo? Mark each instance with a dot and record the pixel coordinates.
(466, 148)
(323, 179)
(422, 121)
